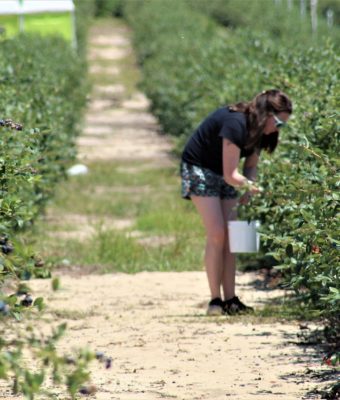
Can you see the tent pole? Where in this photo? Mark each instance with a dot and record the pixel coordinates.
(21, 23)
(21, 18)
(74, 31)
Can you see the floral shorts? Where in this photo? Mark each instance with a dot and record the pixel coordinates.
(200, 181)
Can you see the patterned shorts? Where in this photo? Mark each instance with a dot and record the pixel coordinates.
(200, 181)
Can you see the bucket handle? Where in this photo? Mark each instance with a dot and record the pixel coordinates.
(233, 209)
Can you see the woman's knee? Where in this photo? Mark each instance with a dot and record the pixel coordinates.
(217, 236)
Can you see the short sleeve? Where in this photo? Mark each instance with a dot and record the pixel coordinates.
(233, 130)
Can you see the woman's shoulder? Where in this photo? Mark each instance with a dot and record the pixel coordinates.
(225, 114)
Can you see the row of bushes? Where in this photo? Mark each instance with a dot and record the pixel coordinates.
(314, 139)
(42, 88)
(191, 66)
(276, 19)
(42, 95)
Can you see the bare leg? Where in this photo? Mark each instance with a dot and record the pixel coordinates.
(210, 209)
(229, 264)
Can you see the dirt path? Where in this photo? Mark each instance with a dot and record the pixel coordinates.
(118, 126)
(153, 325)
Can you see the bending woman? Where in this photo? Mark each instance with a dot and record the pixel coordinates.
(210, 178)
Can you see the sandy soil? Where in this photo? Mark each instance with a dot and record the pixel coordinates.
(153, 325)
(162, 344)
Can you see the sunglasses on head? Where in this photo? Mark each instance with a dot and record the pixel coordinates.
(278, 122)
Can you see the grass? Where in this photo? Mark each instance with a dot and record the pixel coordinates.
(155, 213)
(73, 314)
(109, 191)
(46, 23)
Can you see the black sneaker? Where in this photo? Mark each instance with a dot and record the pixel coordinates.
(235, 306)
(215, 307)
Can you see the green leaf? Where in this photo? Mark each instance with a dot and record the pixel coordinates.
(55, 284)
(17, 315)
(11, 300)
(39, 303)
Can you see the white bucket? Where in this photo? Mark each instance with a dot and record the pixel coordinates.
(243, 236)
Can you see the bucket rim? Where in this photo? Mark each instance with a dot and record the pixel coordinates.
(237, 221)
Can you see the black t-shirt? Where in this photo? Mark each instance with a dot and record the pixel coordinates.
(204, 148)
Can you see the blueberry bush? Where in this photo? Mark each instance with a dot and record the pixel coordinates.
(280, 21)
(42, 95)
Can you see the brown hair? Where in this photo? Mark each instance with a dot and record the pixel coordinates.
(257, 110)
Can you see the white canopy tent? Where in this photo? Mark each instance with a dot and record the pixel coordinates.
(24, 7)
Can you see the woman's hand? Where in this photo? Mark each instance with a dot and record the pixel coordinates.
(251, 190)
(245, 198)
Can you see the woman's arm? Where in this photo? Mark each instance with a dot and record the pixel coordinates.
(250, 166)
(231, 159)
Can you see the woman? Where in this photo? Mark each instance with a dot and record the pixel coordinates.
(210, 177)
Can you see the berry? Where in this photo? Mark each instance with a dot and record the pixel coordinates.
(3, 239)
(7, 248)
(88, 389)
(99, 355)
(39, 263)
(69, 360)
(10, 124)
(327, 361)
(4, 308)
(27, 301)
(26, 275)
(108, 362)
(316, 249)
